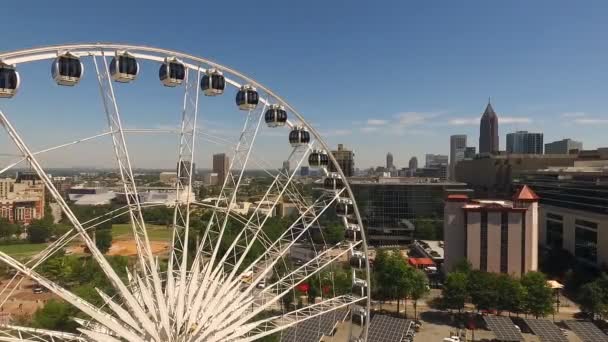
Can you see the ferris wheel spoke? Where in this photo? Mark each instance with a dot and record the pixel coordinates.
(181, 215)
(231, 185)
(146, 259)
(84, 306)
(274, 254)
(252, 230)
(19, 333)
(263, 211)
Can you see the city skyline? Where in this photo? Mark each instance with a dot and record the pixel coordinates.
(539, 79)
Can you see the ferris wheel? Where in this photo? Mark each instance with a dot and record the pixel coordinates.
(212, 286)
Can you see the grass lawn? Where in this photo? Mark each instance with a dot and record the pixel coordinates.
(24, 250)
(155, 232)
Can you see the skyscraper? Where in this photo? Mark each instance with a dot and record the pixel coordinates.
(346, 160)
(458, 145)
(523, 142)
(413, 165)
(389, 161)
(221, 164)
(488, 131)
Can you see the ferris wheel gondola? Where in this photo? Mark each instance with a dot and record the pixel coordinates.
(213, 82)
(124, 67)
(9, 80)
(247, 98)
(67, 69)
(172, 72)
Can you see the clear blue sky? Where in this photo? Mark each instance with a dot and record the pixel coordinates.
(378, 76)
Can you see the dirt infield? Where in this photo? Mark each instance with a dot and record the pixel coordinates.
(126, 248)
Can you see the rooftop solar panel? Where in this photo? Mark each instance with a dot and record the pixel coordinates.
(387, 329)
(503, 328)
(587, 331)
(313, 329)
(546, 330)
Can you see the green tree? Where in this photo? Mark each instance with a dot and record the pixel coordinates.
(38, 231)
(511, 294)
(418, 289)
(593, 297)
(391, 276)
(55, 315)
(463, 266)
(538, 300)
(7, 229)
(455, 291)
(103, 240)
(482, 289)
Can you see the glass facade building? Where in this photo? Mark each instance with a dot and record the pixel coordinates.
(389, 210)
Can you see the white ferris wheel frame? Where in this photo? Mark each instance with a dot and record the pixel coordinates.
(151, 278)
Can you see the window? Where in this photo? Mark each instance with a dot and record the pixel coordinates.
(555, 217)
(483, 242)
(586, 224)
(555, 234)
(585, 245)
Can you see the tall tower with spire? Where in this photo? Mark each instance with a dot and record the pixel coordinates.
(488, 131)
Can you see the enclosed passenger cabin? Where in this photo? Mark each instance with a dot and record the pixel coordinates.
(67, 69)
(344, 208)
(333, 183)
(318, 158)
(359, 287)
(299, 136)
(9, 80)
(172, 72)
(213, 83)
(357, 260)
(359, 315)
(124, 67)
(247, 98)
(275, 116)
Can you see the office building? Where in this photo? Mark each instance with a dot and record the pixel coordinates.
(439, 171)
(469, 153)
(431, 160)
(413, 163)
(304, 171)
(523, 142)
(488, 131)
(574, 208)
(22, 199)
(210, 178)
(492, 176)
(346, 160)
(493, 235)
(389, 207)
(458, 145)
(389, 162)
(563, 146)
(221, 166)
